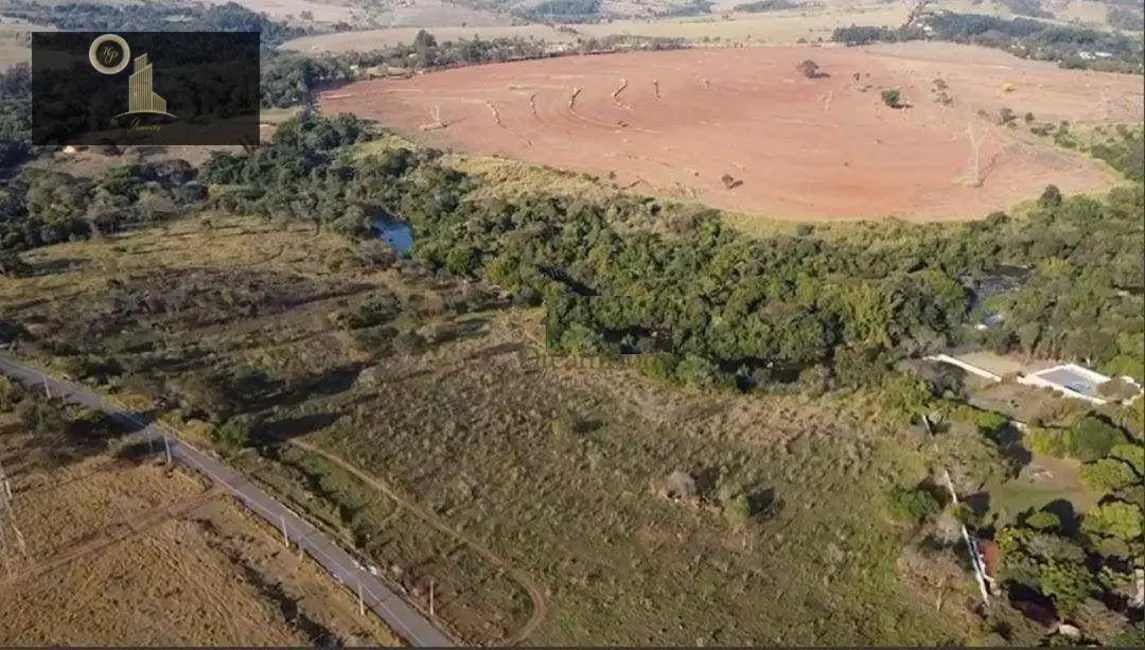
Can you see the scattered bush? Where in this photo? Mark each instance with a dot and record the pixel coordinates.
(234, 434)
(1088, 440)
(809, 69)
(891, 97)
(912, 504)
(730, 182)
(1043, 520)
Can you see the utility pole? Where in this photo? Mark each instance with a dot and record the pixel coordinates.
(285, 537)
(8, 522)
(167, 447)
(431, 597)
(361, 603)
(47, 389)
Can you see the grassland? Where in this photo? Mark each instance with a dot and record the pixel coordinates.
(777, 28)
(527, 494)
(723, 25)
(121, 550)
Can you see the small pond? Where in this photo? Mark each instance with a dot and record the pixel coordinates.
(395, 232)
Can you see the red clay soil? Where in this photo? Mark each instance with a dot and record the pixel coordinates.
(803, 148)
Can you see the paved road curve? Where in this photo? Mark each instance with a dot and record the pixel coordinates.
(407, 622)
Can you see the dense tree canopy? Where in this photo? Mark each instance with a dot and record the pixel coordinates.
(777, 310)
(1024, 37)
(152, 16)
(290, 79)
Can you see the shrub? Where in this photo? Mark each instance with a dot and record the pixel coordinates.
(891, 97)
(1093, 438)
(1115, 519)
(697, 372)
(988, 423)
(234, 434)
(1049, 442)
(737, 508)
(906, 396)
(1106, 475)
(809, 69)
(1051, 197)
(1043, 520)
(1088, 440)
(1132, 454)
(912, 505)
(1067, 583)
(659, 365)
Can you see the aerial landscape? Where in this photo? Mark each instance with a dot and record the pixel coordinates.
(585, 323)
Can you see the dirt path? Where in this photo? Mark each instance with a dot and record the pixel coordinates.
(540, 603)
(115, 533)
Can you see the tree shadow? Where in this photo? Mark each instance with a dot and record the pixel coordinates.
(262, 393)
(763, 503)
(284, 430)
(495, 351)
(706, 479)
(1066, 514)
(137, 451)
(1009, 441)
(135, 421)
(54, 266)
(940, 494)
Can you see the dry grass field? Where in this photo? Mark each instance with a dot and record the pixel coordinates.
(777, 28)
(682, 123)
(322, 11)
(372, 39)
(15, 46)
(120, 550)
(812, 23)
(526, 492)
(375, 13)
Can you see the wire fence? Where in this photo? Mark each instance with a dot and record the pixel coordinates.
(287, 519)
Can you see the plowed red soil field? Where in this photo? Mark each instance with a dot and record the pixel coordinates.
(675, 123)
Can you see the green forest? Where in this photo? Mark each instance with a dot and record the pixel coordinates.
(1023, 37)
(291, 79)
(802, 311)
(152, 16)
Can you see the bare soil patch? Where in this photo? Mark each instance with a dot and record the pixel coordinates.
(793, 147)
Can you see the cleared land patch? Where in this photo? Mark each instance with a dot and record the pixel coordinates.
(742, 129)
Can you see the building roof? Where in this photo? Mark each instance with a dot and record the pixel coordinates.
(991, 556)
